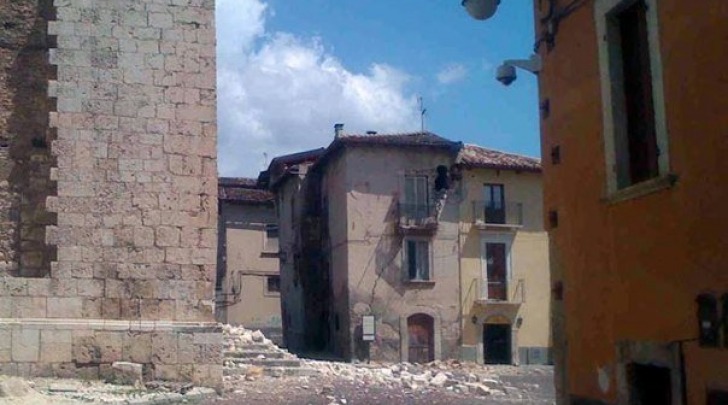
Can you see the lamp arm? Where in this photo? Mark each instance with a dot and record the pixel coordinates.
(533, 64)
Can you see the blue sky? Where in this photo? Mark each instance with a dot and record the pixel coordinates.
(290, 69)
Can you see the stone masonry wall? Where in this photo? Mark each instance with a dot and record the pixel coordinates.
(133, 136)
(25, 158)
(136, 150)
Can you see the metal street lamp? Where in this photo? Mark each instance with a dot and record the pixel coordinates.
(481, 9)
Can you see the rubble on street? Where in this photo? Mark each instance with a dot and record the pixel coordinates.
(259, 372)
(255, 364)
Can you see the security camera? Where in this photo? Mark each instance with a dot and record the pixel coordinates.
(481, 9)
(506, 72)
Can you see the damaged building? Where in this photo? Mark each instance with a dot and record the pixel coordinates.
(380, 251)
(248, 281)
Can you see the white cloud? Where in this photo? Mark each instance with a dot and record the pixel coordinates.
(452, 73)
(279, 93)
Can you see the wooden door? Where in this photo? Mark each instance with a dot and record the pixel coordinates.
(421, 339)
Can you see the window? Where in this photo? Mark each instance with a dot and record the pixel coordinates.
(631, 70)
(417, 259)
(496, 266)
(273, 284)
(416, 197)
(271, 238)
(495, 204)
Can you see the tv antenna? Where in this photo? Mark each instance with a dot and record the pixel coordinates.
(423, 111)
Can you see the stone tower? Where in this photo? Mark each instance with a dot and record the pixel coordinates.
(108, 188)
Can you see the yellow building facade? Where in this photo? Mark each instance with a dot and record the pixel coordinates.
(504, 262)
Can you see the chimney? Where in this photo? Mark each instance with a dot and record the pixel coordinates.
(371, 132)
(338, 130)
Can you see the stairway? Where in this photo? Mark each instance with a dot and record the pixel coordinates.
(249, 354)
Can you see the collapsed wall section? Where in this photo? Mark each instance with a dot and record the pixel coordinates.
(136, 200)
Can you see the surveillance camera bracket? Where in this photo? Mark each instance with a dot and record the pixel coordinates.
(533, 64)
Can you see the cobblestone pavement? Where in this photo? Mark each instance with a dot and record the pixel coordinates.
(520, 385)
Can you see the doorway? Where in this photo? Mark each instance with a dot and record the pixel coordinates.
(497, 343)
(649, 384)
(420, 330)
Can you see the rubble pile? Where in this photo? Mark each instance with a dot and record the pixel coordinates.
(448, 375)
(250, 355)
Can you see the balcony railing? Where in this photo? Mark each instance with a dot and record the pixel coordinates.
(417, 216)
(498, 214)
(498, 292)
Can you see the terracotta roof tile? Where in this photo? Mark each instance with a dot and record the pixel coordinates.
(476, 156)
(403, 139)
(243, 190)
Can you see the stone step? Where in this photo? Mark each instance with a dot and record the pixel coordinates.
(258, 347)
(247, 354)
(267, 362)
(275, 371)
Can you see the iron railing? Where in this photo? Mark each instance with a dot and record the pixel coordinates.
(417, 214)
(492, 213)
(498, 291)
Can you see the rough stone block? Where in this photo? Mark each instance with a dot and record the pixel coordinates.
(65, 307)
(5, 346)
(56, 346)
(29, 307)
(137, 347)
(25, 345)
(125, 373)
(164, 348)
(109, 345)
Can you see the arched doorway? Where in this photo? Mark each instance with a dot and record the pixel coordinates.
(420, 331)
(497, 343)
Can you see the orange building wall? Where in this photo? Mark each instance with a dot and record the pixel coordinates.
(632, 270)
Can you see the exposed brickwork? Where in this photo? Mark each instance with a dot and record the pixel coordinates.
(25, 159)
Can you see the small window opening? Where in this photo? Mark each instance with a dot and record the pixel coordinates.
(417, 258)
(273, 284)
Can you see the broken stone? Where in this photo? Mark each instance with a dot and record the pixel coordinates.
(257, 336)
(482, 390)
(125, 373)
(14, 388)
(439, 380)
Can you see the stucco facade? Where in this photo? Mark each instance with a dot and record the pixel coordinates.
(377, 281)
(525, 307)
(381, 225)
(630, 264)
(248, 272)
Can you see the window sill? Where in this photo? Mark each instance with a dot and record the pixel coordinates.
(420, 283)
(642, 189)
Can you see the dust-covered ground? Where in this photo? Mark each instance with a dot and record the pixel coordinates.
(446, 384)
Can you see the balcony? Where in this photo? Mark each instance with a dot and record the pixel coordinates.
(417, 218)
(490, 215)
(501, 296)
